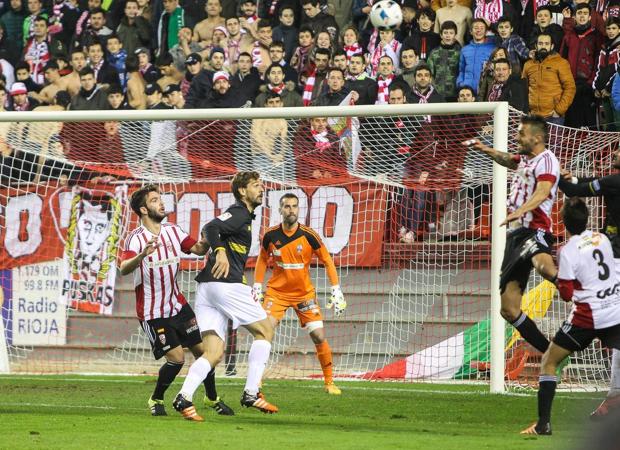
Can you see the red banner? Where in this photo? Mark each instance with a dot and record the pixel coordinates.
(350, 218)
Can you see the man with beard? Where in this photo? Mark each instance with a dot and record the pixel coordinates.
(551, 86)
(164, 314)
(292, 247)
(336, 91)
(276, 84)
(259, 48)
(91, 96)
(222, 96)
(313, 83)
(223, 295)
(359, 81)
(533, 191)
(607, 187)
(507, 87)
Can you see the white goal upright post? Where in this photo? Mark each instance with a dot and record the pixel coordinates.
(43, 203)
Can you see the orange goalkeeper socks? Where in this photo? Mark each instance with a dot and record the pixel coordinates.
(324, 353)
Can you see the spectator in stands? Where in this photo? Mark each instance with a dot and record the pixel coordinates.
(154, 97)
(507, 87)
(54, 84)
(465, 94)
(217, 59)
(135, 84)
(544, 25)
(557, 7)
(350, 42)
(134, 30)
(313, 83)
(4, 104)
(336, 92)
(581, 46)
(339, 60)
(269, 136)
(200, 87)
(514, 44)
(444, 61)
(550, 91)
(105, 74)
(423, 40)
(6, 70)
(286, 32)
(116, 98)
(249, 16)
(408, 26)
(234, 39)
(301, 56)
(20, 101)
(459, 15)
(359, 81)
(423, 89)
(474, 55)
(595, 16)
(183, 48)
(385, 78)
(488, 72)
(72, 80)
(319, 20)
(116, 57)
(22, 73)
(91, 96)
(491, 10)
(259, 49)
(95, 31)
(174, 96)
(324, 40)
(389, 46)
(35, 10)
(246, 82)
(171, 21)
(606, 71)
(150, 73)
(40, 48)
(12, 22)
(317, 153)
(221, 95)
(276, 54)
(193, 66)
(170, 73)
(285, 90)
(60, 102)
(408, 61)
(203, 31)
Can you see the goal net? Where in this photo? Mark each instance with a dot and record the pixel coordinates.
(402, 206)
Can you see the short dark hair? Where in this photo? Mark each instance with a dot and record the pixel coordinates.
(165, 59)
(428, 12)
(360, 56)
(306, 29)
(396, 86)
(40, 19)
(336, 69)
(537, 123)
(244, 54)
(288, 195)
(131, 63)
(93, 43)
(62, 98)
(545, 8)
(98, 10)
(467, 88)
(270, 95)
(544, 33)
(339, 52)
(310, 2)
(322, 51)
(503, 61)
(87, 71)
(612, 20)
(273, 66)
(138, 198)
(583, 6)
(575, 215)
(422, 66)
(278, 44)
(241, 180)
(263, 23)
(448, 25)
(504, 19)
(478, 20)
(113, 35)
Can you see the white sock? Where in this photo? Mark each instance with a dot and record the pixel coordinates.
(614, 387)
(257, 361)
(196, 375)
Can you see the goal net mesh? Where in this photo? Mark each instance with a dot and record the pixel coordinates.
(403, 207)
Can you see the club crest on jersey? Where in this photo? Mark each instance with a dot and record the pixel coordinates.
(162, 339)
(277, 253)
(299, 248)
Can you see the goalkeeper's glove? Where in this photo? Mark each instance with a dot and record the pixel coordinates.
(257, 293)
(336, 301)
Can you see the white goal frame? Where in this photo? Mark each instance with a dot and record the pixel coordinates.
(499, 110)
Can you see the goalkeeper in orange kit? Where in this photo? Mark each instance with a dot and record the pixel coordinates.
(291, 247)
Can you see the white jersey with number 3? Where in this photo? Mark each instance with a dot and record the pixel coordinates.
(588, 260)
(543, 167)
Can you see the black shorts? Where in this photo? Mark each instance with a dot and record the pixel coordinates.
(576, 339)
(167, 333)
(521, 245)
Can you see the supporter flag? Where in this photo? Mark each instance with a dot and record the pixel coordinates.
(346, 128)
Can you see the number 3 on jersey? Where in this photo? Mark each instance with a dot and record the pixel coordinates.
(598, 256)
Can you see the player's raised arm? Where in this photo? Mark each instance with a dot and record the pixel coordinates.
(502, 158)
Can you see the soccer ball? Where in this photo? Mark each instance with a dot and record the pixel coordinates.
(386, 15)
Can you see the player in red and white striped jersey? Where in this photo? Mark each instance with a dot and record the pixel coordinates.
(528, 242)
(153, 253)
(588, 278)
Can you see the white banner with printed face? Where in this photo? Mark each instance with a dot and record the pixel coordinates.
(91, 245)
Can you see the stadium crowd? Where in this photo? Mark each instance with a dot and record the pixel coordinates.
(548, 57)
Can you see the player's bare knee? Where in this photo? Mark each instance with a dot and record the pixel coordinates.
(176, 355)
(316, 331)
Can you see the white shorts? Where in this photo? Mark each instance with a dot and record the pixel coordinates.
(217, 302)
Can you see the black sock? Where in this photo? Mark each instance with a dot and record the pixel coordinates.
(546, 392)
(167, 374)
(531, 333)
(210, 385)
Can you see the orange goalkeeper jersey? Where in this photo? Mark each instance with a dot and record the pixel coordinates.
(291, 254)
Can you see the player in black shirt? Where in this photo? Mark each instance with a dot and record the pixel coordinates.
(607, 187)
(222, 294)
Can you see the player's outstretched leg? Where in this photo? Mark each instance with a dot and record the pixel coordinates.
(212, 400)
(167, 373)
(257, 361)
(324, 355)
(612, 401)
(511, 312)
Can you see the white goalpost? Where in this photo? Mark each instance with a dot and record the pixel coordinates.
(410, 216)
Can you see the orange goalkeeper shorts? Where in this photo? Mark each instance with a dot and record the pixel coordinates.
(306, 310)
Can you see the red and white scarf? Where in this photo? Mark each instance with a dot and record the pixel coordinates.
(496, 92)
(491, 11)
(257, 57)
(277, 89)
(424, 97)
(97, 67)
(301, 56)
(321, 142)
(353, 50)
(252, 19)
(380, 51)
(308, 88)
(273, 7)
(37, 54)
(535, 5)
(233, 49)
(23, 107)
(383, 92)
